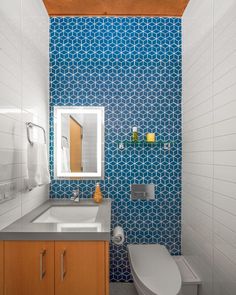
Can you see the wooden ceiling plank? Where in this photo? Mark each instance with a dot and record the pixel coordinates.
(116, 7)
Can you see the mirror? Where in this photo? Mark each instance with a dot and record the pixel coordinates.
(79, 143)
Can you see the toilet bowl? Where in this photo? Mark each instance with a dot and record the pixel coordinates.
(154, 271)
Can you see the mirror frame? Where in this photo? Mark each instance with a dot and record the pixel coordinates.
(58, 111)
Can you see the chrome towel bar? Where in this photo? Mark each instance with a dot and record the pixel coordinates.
(31, 125)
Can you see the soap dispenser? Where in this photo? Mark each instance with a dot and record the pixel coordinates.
(97, 196)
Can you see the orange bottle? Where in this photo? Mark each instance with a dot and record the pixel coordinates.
(97, 196)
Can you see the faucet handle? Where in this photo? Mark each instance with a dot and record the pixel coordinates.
(75, 193)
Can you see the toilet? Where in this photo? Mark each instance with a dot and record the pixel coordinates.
(154, 270)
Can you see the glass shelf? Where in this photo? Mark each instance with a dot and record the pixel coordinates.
(142, 143)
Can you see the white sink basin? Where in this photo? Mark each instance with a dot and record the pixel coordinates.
(68, 214)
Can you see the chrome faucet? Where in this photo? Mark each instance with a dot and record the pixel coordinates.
(75, 196)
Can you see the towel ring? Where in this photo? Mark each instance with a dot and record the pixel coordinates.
(31, 125)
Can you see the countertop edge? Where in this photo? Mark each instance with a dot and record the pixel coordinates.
(48, 236)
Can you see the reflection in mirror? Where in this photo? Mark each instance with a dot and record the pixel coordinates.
(79, 144)
(79, 139)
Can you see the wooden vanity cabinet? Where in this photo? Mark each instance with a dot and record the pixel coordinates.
(81, 268)
(1, 268)
(29, 268)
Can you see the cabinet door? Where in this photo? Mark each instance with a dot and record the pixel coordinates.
(80, 268)
(1, 267)
(29, 268)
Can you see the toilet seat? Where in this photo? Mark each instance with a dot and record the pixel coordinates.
(154, 270)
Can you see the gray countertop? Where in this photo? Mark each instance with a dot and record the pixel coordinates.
(24, 229)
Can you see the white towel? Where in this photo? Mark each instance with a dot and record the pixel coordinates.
(65, 159)
(37, 164)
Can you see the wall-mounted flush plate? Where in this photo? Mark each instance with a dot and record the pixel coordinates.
(142, 191)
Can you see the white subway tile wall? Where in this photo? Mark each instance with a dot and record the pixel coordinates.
(24, 96)
(209, 143)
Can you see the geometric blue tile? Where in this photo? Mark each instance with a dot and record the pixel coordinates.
(132, 67)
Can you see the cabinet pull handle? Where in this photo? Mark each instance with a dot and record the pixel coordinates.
(42, 271)
(63, 271)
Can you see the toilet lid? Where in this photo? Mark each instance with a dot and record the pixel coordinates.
(155, 269)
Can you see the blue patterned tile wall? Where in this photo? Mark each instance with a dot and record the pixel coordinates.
(132, 67)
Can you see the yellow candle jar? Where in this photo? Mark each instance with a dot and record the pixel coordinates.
(150, 137)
